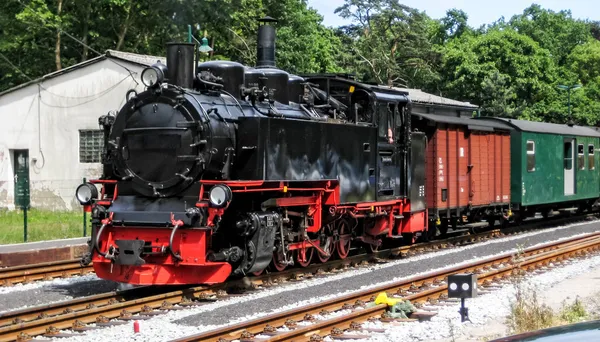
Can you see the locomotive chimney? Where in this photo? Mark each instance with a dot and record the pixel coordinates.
(265, 50)
(180, 64)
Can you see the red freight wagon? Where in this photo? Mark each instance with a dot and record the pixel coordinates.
(467, 169)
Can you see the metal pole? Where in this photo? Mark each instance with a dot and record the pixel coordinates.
(25, 223)
(569, 103)
(84, 217)
(464, 312)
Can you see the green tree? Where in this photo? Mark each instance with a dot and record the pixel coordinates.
(498, 97)
(511, 59)
(41, 36)
(391, 42)
(557, 32)
(584, 61)
(453, 25)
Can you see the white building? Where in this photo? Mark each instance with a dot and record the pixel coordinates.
(50, 127)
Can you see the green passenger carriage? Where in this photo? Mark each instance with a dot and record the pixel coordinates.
(554, 167)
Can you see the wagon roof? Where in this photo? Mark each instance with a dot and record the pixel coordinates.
(471, 124)
(545, 127)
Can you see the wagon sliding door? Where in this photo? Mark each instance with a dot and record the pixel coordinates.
(568, 153)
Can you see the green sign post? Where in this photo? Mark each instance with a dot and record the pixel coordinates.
(22, 198)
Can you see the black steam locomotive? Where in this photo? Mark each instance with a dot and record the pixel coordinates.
(220, 169)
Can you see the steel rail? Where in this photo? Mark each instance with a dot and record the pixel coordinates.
(74, 314)
(426, 287)
(67, 268)
(42, 271)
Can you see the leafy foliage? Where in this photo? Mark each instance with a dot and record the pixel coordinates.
(474, 66)
(511, 67)
(390, 42)
(31, 31)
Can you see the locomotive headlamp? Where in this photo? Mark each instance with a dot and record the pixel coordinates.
(219, 195)
(150, 76)
(86, 192)
(154, 74)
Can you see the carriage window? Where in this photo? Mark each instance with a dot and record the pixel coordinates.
(568, 154)
(580, 157)
(591, 162)
(530, 156)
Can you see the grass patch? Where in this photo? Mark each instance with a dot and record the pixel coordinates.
(527, 313)
(41, 225)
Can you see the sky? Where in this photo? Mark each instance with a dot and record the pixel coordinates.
(479, 11)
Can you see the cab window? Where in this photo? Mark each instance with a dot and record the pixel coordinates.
(383, 121)
(386, 122)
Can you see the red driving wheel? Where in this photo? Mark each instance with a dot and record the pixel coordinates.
(343, 245)
(330, 249)
(308, 255)
(277, 261)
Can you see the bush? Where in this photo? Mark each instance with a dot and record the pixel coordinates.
(528, 314)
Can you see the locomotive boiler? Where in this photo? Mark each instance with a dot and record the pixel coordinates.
(218, 169)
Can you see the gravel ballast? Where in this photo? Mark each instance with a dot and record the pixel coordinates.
(490, 307)
(20, 296)
(180, 323)
(387, 272)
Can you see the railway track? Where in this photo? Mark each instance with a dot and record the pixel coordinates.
(42, 271)
(24, 274)
(119, 307)
(342, 317)
(140, 303)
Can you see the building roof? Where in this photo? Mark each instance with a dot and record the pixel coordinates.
(545, 127)
(471, 124)
(113, 55)
(54, 74)
(135, 58)
(419, 96)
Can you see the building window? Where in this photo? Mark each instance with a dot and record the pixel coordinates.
(591, 162)
(580, 157)
(90, 146)
(530, 156)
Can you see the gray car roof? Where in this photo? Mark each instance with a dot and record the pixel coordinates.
(545, 127)
(462, 121)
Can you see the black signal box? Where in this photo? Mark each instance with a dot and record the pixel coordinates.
(462, 286)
